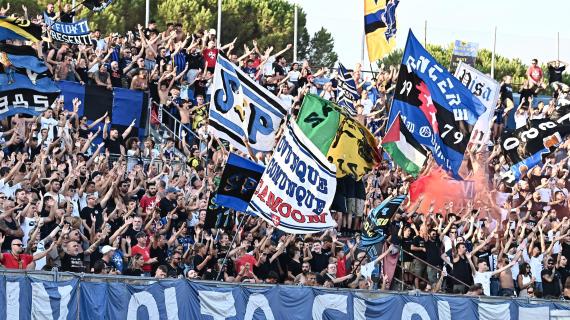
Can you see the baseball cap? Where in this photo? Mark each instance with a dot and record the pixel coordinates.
(106, 249)
(212, 31)
(171, 189)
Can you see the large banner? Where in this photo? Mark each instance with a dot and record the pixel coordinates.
(465, 52)
(26, 298)
(438, 110)
(242, 109)
(24, 91)
(74, 33)
(487, 90)
(297, 186)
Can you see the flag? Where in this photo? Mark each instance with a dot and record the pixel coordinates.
(121, 105)
(376, 224)
(297, 187)
(486, 89)
(20, 29)
(438, 110)
(241, 109)
(23, 91)
(97, 5)
(518, 170)
(239, 181)
(380, 27)
(346, 143)
(404, 150)
(347, 90)
(533, 138)
(24, 57)
(439, 187)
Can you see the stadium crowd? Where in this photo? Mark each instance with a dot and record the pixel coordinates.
(105, 208)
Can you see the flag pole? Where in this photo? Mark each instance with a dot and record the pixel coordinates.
(493, 54)
(295, 34)
(147, 12)
(230, 248)
(219, 31)
(558, 45)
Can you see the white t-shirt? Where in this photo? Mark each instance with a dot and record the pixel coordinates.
(28, 225)
(40, 248)
(535, 265)
(484, 278)
(520, 120)
(294, 75)
(48, 124)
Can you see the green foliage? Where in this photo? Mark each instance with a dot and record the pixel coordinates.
(321, 52)
(503, 66)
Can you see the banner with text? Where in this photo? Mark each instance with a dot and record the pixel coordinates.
(27, 298)
(73, 33)
(465, 52)
(242, 109)
(487, 90)
(297, 187)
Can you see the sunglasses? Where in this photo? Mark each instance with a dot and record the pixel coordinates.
(17, 244)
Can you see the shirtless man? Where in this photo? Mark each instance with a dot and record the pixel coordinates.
(507, 285)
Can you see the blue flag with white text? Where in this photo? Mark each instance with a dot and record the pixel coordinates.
(24, 91)
(437, 109)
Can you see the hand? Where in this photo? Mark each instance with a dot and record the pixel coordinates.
(2, 237)
(107, 120)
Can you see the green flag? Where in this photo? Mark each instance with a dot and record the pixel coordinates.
(319, 120)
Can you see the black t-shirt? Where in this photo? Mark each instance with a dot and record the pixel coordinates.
(407, 245)
(132, 272)
(419, 242)
(166, 206)
(319, 262)
(551, 289)
(462, 271)
(279, 71)
(160, 254)
(114, 146)
(433, 252)
(96, 211)
(67, 17)
(73, 263)
(132, 233)
(173, 272)
(563, 274)
(506, 92)
(116, 76)
(555, 74)
(294, 267)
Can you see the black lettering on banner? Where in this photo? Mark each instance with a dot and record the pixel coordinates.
(315, 119)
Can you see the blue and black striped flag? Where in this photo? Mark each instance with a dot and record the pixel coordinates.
(348, 94)
(21, 29)
(24, 57)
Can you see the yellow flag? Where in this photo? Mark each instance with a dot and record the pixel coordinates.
(380, 27)
(354, 150)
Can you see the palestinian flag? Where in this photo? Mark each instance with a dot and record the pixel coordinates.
(404, 150)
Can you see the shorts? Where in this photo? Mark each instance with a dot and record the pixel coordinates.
(507, 292)
(432, 274)
(419, 268)
(499, 116)
(355, 207)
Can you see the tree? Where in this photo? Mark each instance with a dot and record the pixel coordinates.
(321, 52)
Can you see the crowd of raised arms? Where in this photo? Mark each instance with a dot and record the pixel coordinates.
(130, 207)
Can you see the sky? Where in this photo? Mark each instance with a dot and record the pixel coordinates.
(523, 30)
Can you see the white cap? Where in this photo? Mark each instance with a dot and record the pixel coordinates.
(212, 31)
(106, 249)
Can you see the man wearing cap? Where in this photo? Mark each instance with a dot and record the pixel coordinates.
(107, 251)
(550, 281)
(143, 248)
